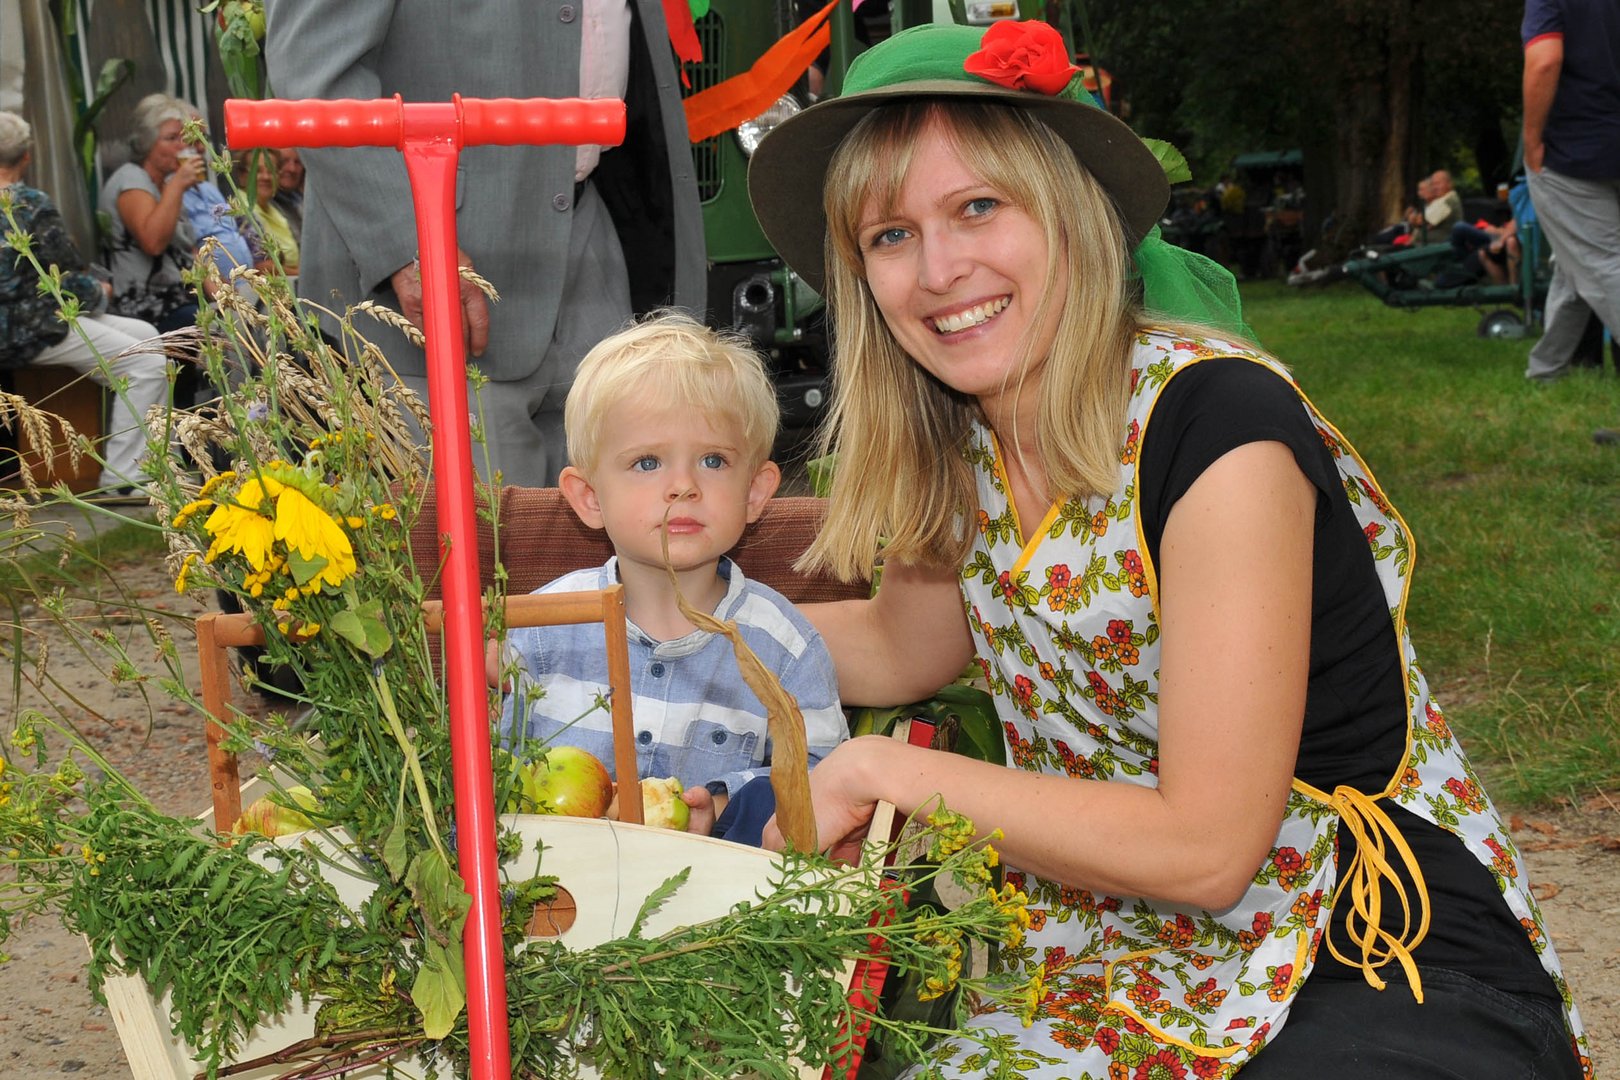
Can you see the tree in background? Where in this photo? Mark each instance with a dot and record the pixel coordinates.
(1375, 92)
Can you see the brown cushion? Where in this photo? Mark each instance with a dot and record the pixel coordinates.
(542, 539)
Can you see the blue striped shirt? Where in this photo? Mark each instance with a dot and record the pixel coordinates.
(695, 718)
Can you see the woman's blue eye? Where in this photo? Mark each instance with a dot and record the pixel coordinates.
(982, 206)
(713, 461)
(887, 238)
(645, 463)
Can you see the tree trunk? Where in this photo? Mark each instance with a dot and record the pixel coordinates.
(1373, 115)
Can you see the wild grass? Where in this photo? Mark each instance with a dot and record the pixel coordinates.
(1515, 607)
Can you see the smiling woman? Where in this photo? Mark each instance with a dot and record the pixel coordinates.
(1183, 587)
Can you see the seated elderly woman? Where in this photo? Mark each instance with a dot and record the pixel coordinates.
(152, 242)
(105, 346)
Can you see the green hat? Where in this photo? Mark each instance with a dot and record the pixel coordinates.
(1029, 66)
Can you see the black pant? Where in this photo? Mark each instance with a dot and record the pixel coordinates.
(1343, 1029)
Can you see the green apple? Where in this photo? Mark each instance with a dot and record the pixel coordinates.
(566, 780)
(273, 817)
(661, 803)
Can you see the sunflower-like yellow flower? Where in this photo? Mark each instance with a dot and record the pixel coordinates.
(240, 526)
(309, 530)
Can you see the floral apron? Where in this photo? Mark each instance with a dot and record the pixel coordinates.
(1136, 988)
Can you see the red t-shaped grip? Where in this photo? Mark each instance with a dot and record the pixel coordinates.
(430, 135)
(483, 121)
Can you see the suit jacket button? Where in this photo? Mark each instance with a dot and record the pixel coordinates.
(561, 201)
(566, 13)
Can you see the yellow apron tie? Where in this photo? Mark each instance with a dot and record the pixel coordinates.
(1370, 825)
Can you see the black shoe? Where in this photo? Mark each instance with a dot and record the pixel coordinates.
(1606, 436)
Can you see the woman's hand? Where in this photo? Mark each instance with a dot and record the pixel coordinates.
(192, 171)
(842, 798)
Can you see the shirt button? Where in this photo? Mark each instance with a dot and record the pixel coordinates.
(562, 201)
(718, 737)
(656, 671)
(566, 13)
(644, 738)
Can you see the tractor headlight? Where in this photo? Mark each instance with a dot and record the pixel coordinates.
(750, 132)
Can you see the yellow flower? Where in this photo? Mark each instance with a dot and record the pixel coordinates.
(307, 529)
(190, 510)
(385, 511)
(239, 526)
(181, 579)
(215, 484)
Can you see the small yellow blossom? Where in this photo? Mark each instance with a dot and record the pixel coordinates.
(385, 511)
(216, 483)
(182, 579)
(190, 510)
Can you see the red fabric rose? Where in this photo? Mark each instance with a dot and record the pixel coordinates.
(1023, 56)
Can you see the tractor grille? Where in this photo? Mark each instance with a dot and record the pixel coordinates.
(711, 31)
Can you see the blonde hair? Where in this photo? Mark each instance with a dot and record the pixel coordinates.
(672, 359)
(897, 430)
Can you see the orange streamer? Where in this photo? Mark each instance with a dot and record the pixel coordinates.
(744, 96)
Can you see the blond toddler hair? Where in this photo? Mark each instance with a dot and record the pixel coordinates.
(672, 359)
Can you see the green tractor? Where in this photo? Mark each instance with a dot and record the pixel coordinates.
(750, 290)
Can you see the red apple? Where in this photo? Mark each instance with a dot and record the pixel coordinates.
(566, 780)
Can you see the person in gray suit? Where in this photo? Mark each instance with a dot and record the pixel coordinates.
(549, 227)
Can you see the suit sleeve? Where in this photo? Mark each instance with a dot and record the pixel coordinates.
(327, 49)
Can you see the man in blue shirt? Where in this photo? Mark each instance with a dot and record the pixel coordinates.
(1572, 156)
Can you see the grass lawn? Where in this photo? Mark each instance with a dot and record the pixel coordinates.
(1515, 609)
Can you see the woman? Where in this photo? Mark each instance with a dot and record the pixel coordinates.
(257, 168)
(152, 242)
(104, 346)
(290, 188)
(1187, 625)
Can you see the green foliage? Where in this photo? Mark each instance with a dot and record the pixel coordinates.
(1515, 606)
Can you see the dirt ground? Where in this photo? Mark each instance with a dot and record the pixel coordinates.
(50, 1026)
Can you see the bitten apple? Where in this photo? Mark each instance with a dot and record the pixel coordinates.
(273, 819)
(661, 803)
(566, 780)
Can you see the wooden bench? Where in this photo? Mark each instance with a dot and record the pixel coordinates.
(76, 399)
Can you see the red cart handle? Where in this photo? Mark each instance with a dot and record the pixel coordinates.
(430, 137)
(479, 121)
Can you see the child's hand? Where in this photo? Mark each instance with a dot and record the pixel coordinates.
(704, 807)
(492, 663)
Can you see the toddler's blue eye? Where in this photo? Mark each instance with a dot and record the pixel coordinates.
(713, 461)
(645, 463)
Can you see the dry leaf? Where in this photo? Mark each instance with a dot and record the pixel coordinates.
(1545, 890)
(790, 754)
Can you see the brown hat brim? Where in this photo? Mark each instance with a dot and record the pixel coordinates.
(786, 174)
